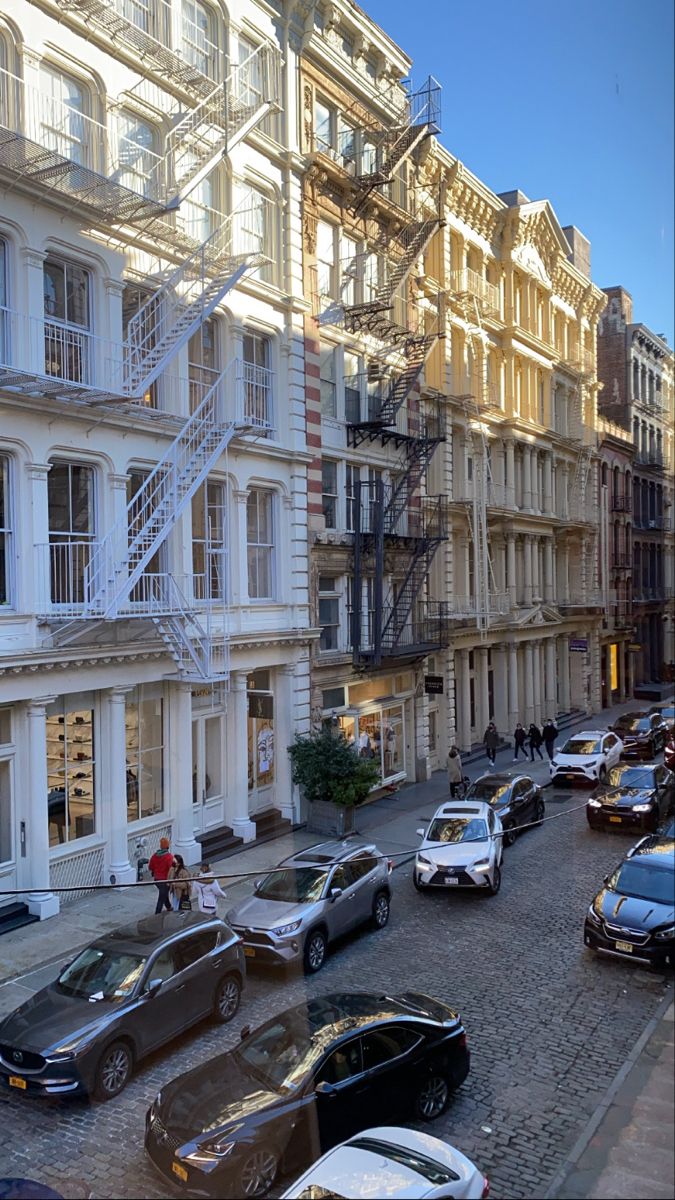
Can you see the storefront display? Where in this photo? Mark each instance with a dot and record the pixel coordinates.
(260, 732)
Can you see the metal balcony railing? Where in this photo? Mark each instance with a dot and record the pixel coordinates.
(650, 458)
(467, 284)
(590, 599)
(460, 608)
(621, 562)
(497, 495)
(257, 385)
(621, 504)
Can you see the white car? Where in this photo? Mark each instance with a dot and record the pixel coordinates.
(586, 757)
(461, 848)
(387, 1163)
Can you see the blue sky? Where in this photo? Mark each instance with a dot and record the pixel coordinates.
(569, 102)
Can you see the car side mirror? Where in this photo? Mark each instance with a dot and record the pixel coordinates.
(154, 986)
(419, 832)
(245, 1032)
(335, 893)
(257, 884)
(325, 1089)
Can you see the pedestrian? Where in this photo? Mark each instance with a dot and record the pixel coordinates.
(519, 736)
(454, 770)
(535, 739)
(491, 741)
(159, 866)
(549, 733)
(207, 889)
(181, 888)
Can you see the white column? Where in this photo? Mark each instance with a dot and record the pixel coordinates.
(536, 584)
(38, 583)
(284, 707)
(511, 564)
(548, 570)
(564, 660)
(41, 902)
(536, 681)
(564, 499)
(511, 471)
(514, 714)
(242, 825)
(548, 483)
(566, 572)
(180, 773)
(529, 685)
(115, 785)
(549, 677)
(481, 689)
(527, 564)
(500, 670)
(526, 488)
(464, 715)
(239, 558)
(534, 486)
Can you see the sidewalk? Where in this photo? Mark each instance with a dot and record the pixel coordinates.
(627, 1148)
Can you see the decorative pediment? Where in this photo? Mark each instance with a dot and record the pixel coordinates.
(528, 257)
(539, 614)
(534, 237)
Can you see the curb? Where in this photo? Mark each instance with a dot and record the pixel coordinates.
(601, 1111)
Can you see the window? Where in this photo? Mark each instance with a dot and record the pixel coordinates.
(329, 613)
(197, 212)
(342, 1064)
(190, 949)
(250, 74)
(138, 160)
(200, 45)
(144, 588)
(260, 732)
(5, 532)
(346, 141)
(4, 304)
(326, 258)
(255, 231)
(257, 379)
(383, 1045)
(202, 361)
(67, 320)
(260, 544)
(144, 722)
(324, 124)
(350, 264)
(327, 380)
(139, 12)
(63, 125)
(208, 542)
(353, 475)
(330, 492)
(352, 388)
(361, 865)
(70, 770)
(70, 491)
(133, 299)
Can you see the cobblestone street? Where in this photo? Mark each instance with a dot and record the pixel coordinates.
(548, 1026)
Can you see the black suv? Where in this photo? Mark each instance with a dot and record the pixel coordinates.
(516, 799)
(125, 995)
(633, 915)
(308, 1078)
(642, 733)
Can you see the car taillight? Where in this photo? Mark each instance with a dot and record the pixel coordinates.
(486, 1188)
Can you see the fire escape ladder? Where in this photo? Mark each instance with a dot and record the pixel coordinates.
(482, 484)
(422, 119)
(186, 635)
(398, 631)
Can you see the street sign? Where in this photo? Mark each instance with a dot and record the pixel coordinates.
(580, 644)
(433, 685)
(635, 646)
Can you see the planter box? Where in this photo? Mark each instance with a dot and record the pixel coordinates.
(334, 819)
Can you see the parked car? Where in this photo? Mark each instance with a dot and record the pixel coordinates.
(669, 752)
(643, 734)
(314, 897)
(126, 994)
(586, 757)
(393, 1162)
(633, 914)
(634, 797)
(667, 714)
(308, 1078)
(461, 848)
(516, 799)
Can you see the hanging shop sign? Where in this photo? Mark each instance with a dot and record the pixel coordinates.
(580, 644)
(433, 685)
(635, 647)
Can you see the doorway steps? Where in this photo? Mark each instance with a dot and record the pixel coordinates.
(218, 842)
(15, 916)
(270, 824)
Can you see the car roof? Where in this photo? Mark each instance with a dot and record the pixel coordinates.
(499, 777)
(656, 851)
(629, 716)
(325, 853)
(588, 733)
(462, 808)
(152, 931)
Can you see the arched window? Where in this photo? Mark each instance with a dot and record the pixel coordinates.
(62, 120)
(200, 37)
(138, 164)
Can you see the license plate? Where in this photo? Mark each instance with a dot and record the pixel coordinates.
(617, 820)
(625, 946)
(17, 1081)
(572, 777)
(249, 952)
(179, 1171)
(449, 879)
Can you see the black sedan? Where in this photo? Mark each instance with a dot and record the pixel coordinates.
(634, 797)
(642, 734)
(516, 799)
(308, 1078)
(633, 915)
(127, 994)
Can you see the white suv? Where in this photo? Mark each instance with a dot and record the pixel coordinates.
(461, 848)
(586, 757)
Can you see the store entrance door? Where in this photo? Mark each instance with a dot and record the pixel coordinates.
(8, 839)
(208, 775)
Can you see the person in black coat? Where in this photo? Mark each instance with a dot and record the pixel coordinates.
(519, 736)
(550, 733)
(535, 739)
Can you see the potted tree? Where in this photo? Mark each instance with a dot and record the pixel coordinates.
(332, 777)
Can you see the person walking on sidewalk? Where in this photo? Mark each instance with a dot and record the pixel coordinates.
(159, 866)
(519, 736)
(207, 889)
(180, 886)
(491, 742)
(454, 770)
(535, 739)
(550, 733)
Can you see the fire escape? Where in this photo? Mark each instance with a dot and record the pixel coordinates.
(62, 154)
(396, 520)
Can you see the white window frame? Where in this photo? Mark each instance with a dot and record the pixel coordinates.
(7, 529)
(333, 596)
(210, 584)
(269, 546)
(333, 496)
(328, 379)
(199, 44)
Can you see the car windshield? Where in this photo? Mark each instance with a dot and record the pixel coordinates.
(100, 974)
(489, 791)
(295, 885)
(644, 882)
(457, 829)
(281, 1053)
(581, 746)
(632, 777)
(636, 724)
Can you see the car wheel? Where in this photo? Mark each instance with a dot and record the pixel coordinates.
(228, 996)
(432, 1098)
(421, 887)
(540, 809)
(257, 1173)
(380, 910)
(509, 835)
(314, 953)
(494, 886)
(113, 1071)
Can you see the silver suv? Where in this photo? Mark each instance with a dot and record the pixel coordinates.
(313, 897)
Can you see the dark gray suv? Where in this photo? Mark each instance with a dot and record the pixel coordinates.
(313, 897)
(125, 995)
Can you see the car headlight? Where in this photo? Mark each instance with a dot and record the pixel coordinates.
(423, 861)
(594, 804)
(61, 1056)
(593, 916)
(483, 864)
(663, 934)
(592, 762)
(208, 1152)
(642, 808)
(282, 930)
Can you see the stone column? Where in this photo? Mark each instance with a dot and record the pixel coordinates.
(242, 825)
(536, 577)
(115, 785)
(536, 681)
(514, 704)
(180, 773)
(548, 570)
(549, 677)
(500, 670)
(510, 465)
(284, 707)
(548, 482)
(564, 499)
(526, 491)
(41, 901)
(481, 689)
(529, 685)
(511, 568)
(239, 557)
(527, 572)
(566, 572)
(564, 667)
(534, 487)
(38, 582)
(464, 715)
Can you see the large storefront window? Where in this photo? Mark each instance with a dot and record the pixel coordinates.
(260, 731)
(71, 769)
(376, 730)
(381, 736)
(144, 721)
